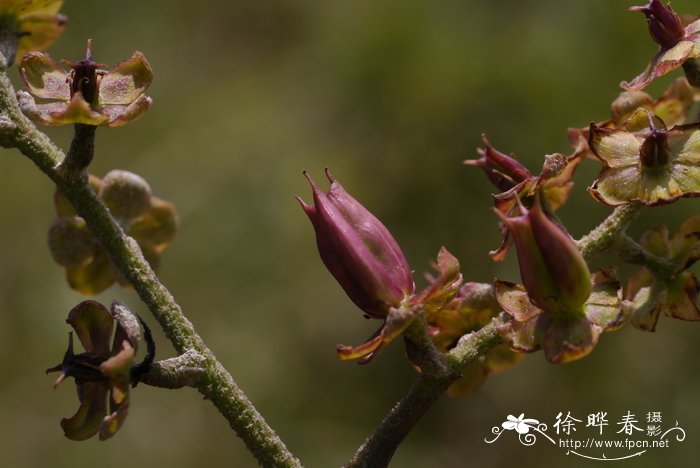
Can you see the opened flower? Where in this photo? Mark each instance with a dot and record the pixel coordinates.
(653, 166)
(673, 293)
(85, 94)
(152, 222)
(679, 45)
(561, 307)
(35, 25)
(103, 372)
(629, 112)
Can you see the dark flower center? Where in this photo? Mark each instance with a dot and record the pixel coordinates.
(655, 152)
(84, 76)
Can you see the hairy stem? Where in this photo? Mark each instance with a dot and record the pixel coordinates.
(185, 370)
(82, 149)
(607, 233)
(216, 384)
(379, 447)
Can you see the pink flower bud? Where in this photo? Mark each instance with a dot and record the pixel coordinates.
(504, 171)
(358, 250)
(665, 25)
(552, 268)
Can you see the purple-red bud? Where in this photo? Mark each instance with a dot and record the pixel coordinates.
(504, 171)
(665, 25)
(358, 250)
(552, 268)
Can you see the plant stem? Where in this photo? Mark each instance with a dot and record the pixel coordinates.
(82, 148)
(185, 370)
(216, 383)
(607, 233)
(377, 450)
(379, 447)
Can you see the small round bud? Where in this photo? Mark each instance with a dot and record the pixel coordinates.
(71, 242)
(126, 194)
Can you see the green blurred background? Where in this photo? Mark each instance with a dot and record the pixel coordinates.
(392, 95)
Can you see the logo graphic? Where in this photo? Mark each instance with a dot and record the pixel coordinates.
(630, 440)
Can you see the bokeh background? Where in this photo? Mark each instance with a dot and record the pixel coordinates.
(392, 95)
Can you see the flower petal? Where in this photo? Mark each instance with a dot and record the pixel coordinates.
(126, 81)
(158, 226)
(647, 308)
(122, 115)
(92, 277)
(514, 300)
(525, 337)
(569, 339)
(93, 324)
(117, 369)
(616, 148)
(87, 420)
(686, 181)
(681, 298)
(616, 187)
(41, 31)
(472, 379)
(685, 145)
(445, 287)
(61, 113)
(71, 242)
(664, 62)
(673, 106)
(656, 241)
(501, 358)
(397, 320)
(604, 306)
(47, 7)
(112, 422)
(44, 77)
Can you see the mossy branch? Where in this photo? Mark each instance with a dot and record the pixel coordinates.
(215, 384)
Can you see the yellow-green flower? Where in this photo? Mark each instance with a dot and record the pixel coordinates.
(653, 166)
(86, 93)
(36, 24)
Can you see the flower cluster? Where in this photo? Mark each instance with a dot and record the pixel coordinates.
(152, 222)
(471, 309)
(653, 292)
(516, 182)
(103, 373)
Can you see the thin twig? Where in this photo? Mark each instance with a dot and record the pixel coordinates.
(216, 384)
